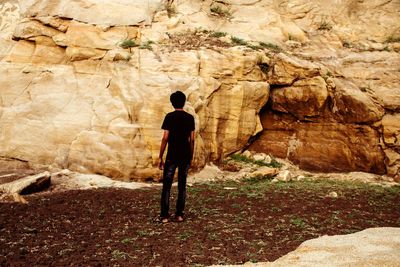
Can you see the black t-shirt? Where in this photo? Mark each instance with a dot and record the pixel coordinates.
(179, 124)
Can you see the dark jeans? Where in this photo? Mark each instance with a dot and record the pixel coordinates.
(168, 176)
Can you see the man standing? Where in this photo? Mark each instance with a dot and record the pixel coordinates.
(178, 129)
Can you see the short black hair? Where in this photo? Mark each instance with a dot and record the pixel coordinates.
(178, 99)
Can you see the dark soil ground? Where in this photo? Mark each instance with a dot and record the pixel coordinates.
(257, 221)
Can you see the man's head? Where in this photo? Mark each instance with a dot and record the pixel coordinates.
(178, 99)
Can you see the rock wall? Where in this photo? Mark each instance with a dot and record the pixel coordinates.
(87, 90)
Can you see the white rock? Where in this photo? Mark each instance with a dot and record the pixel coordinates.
(247, 154)
(259, 156)
(284, 176)
(333, 194)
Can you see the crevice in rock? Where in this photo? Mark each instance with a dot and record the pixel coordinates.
(13, 158)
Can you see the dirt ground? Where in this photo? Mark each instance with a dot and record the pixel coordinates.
(226, 223)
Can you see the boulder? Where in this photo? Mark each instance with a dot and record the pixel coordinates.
(27, 185)
(373, 246)
(285, 70)
(352, 105)
(392, 163)
(321, 146)
(264, 171)
(391, 130)
(305, 98)
(283, 176)
(30, 29)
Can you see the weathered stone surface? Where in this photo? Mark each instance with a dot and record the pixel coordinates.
(286, 70)
(82, 53)
(116, 12)
(41, 53)
(121, 105)
(373, 246)
(29, 29)
(321, 146)
(83, 35)
(73, 98)
(391, 130)
(353, 106)
(393, 163)
(304, 98)
(28, 184)
(374, 73)
(233, 116)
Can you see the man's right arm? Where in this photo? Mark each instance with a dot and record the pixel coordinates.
(164, 142)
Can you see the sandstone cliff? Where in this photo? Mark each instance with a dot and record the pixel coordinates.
(84, 85)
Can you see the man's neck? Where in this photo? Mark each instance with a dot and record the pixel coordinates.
(179, 109)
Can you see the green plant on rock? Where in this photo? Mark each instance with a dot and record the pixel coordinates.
(254, 47)
(324, 25)
(327, 75)
(271, 46)
(147, 45)
(128, 43)
(392, 39)
(217, 10)
(241, 158)
(238, 41)
(217, 34)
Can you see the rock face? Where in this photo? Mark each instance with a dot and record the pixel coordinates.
(87, 90)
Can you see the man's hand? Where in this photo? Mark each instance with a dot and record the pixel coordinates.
(160, 163)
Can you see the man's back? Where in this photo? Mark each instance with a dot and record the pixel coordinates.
(179, 124)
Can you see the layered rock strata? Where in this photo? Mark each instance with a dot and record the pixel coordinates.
(87, 90)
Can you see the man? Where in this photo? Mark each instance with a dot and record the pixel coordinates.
(178, 129)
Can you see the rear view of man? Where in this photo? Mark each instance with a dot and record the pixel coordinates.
(178, 129)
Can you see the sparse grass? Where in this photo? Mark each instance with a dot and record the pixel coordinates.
(298, 222)
(324, 26)
(254, 47)
(147, 45)
(217, 34)
(257, 179)
(241, 158)
(118, 255)
(238, 41)
(392, 39)
(259, 221)
(128, 43)
(219, 11)
(127, 240)
(143, 233)
(271, 46)
(327, 75)
(185, 235)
